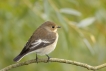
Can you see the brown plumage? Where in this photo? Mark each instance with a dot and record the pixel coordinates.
(43, 41)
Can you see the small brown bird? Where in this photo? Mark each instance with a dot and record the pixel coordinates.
(43, 41)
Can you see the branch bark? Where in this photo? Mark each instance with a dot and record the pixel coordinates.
(89, 67)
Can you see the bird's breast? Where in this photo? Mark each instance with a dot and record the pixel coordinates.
(48, 49)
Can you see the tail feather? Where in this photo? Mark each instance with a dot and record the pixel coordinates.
(21, 55)
(18, 58)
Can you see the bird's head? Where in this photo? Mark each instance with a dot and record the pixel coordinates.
(50, 26)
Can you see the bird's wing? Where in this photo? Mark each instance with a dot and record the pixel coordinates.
(38, 43)
(41, 43)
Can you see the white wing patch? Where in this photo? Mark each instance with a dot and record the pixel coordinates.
(38, 42)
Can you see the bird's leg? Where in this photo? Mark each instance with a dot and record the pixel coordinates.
(36, 58)
(48, 58)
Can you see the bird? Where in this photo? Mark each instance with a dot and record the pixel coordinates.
(43, 41)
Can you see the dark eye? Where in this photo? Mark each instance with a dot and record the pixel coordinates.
(52, 26)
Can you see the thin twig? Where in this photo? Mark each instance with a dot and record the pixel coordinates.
(89, 67)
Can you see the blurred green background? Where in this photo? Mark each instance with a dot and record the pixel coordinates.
(82, 36)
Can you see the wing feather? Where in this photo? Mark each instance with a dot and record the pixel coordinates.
(35, 43)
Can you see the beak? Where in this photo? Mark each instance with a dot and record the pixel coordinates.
(58, 27)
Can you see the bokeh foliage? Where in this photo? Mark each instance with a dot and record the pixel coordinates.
(82, 36)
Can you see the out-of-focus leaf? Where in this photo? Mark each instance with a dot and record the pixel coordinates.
(100, 15)
(88, 45)
(86, 22)
(46, 13)
(70, 11)
(62, 21)
(44, 16)
(93, 38)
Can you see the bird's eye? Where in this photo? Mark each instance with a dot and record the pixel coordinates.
(52, 26)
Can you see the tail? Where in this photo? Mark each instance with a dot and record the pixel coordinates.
(18, 58)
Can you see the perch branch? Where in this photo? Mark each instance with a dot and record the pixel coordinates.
(89, 67)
